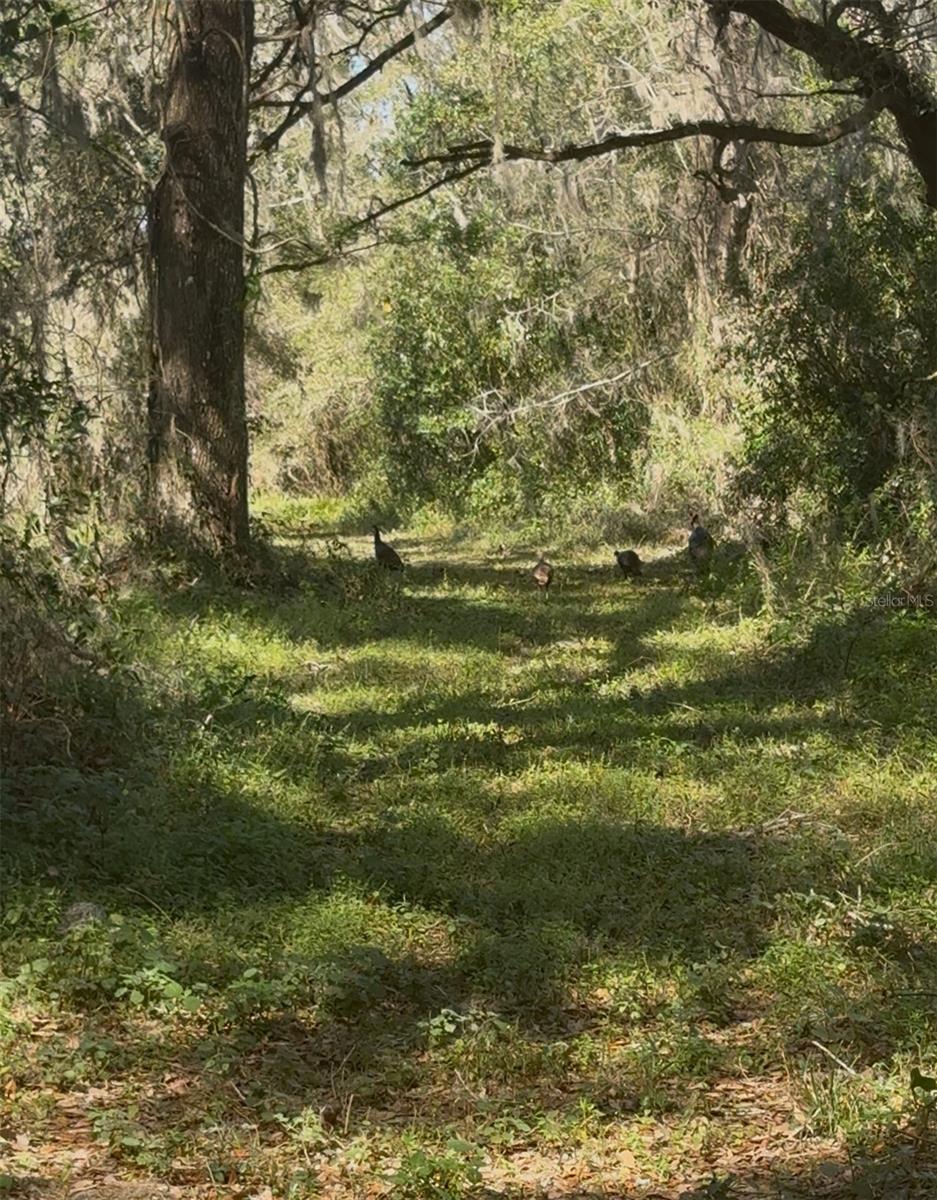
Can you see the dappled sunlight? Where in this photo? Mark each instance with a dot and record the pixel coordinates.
(626, 869)
(468, 579)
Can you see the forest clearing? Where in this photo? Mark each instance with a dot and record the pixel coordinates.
(468, 564)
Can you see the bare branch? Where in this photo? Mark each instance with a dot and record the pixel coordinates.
(369, 220)
(318, 260)
(381, 210)
(489, 420)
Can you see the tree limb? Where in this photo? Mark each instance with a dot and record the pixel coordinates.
(488, 419)
(481, 153)
(381, 209)
(374, 213)
(469, 157)
(878, 71)
(298, 106)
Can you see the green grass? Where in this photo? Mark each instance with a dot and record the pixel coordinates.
(425, 888)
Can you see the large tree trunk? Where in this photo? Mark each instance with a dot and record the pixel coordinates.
(197, 412)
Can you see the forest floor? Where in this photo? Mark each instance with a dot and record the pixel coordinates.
(437, 888)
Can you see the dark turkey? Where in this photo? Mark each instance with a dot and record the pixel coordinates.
(386, 555)
(700, 544)
(629, 562)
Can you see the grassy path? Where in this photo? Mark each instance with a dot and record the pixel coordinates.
(421, 890)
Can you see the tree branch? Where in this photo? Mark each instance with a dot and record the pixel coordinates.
(317, 260)
(374, 213)
(488, 419)
(298, 106)
(481, 153)
(877, 69)
(381, 210)
(469, 157)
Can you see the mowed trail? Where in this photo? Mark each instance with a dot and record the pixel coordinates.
(611, 892)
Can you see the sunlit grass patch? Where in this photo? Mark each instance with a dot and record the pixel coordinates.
(433, 875)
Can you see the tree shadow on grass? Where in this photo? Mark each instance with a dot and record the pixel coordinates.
(95, 825)
(352, 603)
(528, 901)
(526, 913)
(647, 887)
(855, 680)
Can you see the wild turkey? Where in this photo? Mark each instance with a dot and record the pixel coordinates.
(700, 544)
(386, 555)
(543, 574)
(629, 562)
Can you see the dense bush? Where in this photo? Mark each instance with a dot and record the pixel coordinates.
(501, 383)
(841, 354)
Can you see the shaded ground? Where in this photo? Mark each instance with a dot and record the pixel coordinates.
(429, 887)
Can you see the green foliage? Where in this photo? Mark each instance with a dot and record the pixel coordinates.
(313, 430)
(842, 350)
(444, 1175)
(464, 361)
(34, 21)
(44, 417)
(447, 338)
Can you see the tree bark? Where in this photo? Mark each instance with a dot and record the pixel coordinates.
(198, 446)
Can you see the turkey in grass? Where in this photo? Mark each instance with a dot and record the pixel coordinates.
(542, 574)
(700, 544)
(386, 555)
(629, 562)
